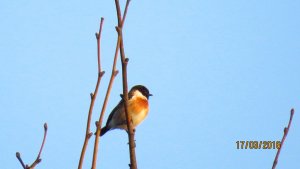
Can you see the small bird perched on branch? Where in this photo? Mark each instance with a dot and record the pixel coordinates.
(138, 108)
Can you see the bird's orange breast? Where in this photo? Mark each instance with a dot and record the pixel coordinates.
(137, 105)
(138, 109)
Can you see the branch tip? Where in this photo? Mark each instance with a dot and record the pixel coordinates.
(45, 127)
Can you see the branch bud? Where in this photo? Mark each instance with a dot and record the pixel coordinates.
(90, 135)
(92, 95)
(126, 60)
(292, 111)
(45, 126)
(101, 73)
(116, 72)
(18, 155)
(97, 35)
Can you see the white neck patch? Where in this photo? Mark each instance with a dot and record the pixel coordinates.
(139, 95)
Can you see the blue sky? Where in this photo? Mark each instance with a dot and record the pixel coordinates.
(220, 72)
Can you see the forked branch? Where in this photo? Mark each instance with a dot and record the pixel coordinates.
(285, 133)
(38, 158)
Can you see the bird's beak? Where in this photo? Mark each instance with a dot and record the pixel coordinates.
(150, 94)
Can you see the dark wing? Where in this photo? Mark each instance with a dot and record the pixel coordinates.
(113, 112)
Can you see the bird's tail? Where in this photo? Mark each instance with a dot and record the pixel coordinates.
(103, 131)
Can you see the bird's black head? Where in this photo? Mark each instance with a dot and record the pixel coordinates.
(141, 89)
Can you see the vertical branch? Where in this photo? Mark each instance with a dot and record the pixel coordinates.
(88, 133)
(285, 133)
(113, 75)
(99, 122)
(119, 28)
(38, 158)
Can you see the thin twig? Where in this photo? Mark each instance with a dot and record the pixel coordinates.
(38, 158)
(18, 155)
(285, 133)
(88, 133)
(125, 12)
(99, 122)
(119, 28)
(98, 37)
(119, 16)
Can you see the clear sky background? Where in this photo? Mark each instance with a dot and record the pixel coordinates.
(220, 72)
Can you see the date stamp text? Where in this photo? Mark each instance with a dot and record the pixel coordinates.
(258, 144)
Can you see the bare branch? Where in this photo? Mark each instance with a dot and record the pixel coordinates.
(125, 12)
(98, 37)
(99, 122)
(119, 16)
(113, 74)
(119, 28)
(285, 133)
(38, 158)
(88, 133)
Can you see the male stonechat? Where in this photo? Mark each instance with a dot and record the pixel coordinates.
(138, 108)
